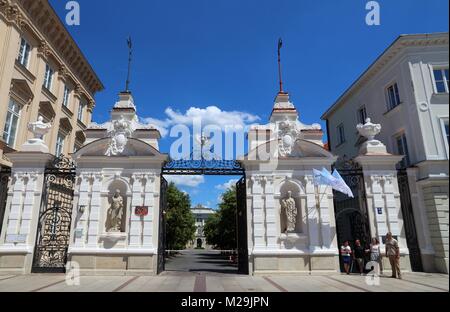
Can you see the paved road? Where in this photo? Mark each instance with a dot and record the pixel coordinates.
(200, 261)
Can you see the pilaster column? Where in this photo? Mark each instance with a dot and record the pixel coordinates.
(312, 214)
(136, 222)
(325, 220)
(149, 201)
(272, 215)
(81, 225)
(259, 233)
(94, 213)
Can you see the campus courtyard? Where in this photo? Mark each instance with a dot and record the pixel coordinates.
(207, 271)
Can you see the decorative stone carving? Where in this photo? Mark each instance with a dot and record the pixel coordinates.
(39, 130)
(115, 214)
(370, 131)
(122, 131)
(289, 207)
(288, 133)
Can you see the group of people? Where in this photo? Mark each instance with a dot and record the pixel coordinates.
(359, 252)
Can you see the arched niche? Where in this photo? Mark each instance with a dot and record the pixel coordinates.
(123, 188)
(297, 192)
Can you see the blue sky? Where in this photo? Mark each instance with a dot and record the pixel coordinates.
(202, 53)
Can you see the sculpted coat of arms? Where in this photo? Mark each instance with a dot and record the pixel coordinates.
(288, 133)
(122, 130)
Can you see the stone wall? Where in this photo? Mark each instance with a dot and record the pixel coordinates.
(435, 196)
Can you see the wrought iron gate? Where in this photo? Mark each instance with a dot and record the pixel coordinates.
(55, 218)
(241, 229)
(162, 227)
(409, 221)
(5, 174)
(352, 218)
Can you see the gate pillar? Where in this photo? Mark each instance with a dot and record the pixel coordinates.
(382, 191)
(17, 240)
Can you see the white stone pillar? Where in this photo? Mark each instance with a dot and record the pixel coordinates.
(259, 231)
(383, 200)
(149, 201)
(94, 213)
(81, 226)
(272, 215)
(136, 221)
(19, 237)
(325, 220)
(312, 214)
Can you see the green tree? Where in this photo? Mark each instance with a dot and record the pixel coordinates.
(180, 222)
(220, 228)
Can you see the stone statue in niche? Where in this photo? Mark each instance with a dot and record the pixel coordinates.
(289, 207)
(115, 214)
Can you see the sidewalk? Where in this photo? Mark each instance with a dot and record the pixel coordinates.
(214, 282)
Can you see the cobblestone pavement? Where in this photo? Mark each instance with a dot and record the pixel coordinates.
(203, 271)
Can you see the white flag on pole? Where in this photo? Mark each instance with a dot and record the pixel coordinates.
(334, 180)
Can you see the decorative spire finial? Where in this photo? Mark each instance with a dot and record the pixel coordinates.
(280, 45)
(130, 53)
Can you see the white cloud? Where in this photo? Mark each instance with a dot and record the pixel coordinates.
(227, 185)
(211, 115)
(189, 181)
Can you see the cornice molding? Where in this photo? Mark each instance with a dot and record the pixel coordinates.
(38, 17)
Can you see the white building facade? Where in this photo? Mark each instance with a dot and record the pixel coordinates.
(406, 90)
(201, 215)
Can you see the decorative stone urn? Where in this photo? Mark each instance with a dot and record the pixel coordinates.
(372, 146)
(39, 130)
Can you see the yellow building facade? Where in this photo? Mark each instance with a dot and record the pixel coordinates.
(43, 73)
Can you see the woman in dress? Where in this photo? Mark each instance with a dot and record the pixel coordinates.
(375, 254)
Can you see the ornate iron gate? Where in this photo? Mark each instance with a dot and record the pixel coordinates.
(352, 218)
(241, 229)
(162, 227)
(409, 221)
(55, 218)
(5, 174)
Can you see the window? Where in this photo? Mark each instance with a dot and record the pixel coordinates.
(362, 115)
(441, 80)
(402, 148)
(341, 134)
(393, 96)
(12, 120)
(81, 112)
(66, 96)
(60, 144)
(24, 53)
(48, 79)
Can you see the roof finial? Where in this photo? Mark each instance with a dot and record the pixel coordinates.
(130, 53)
(280, 45)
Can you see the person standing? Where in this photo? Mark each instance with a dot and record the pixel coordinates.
(375, 254)
(346, 252)
(393, 252)
(359, 254)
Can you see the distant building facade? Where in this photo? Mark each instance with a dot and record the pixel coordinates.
(201, 215)
(406, 90)
(42, 73)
